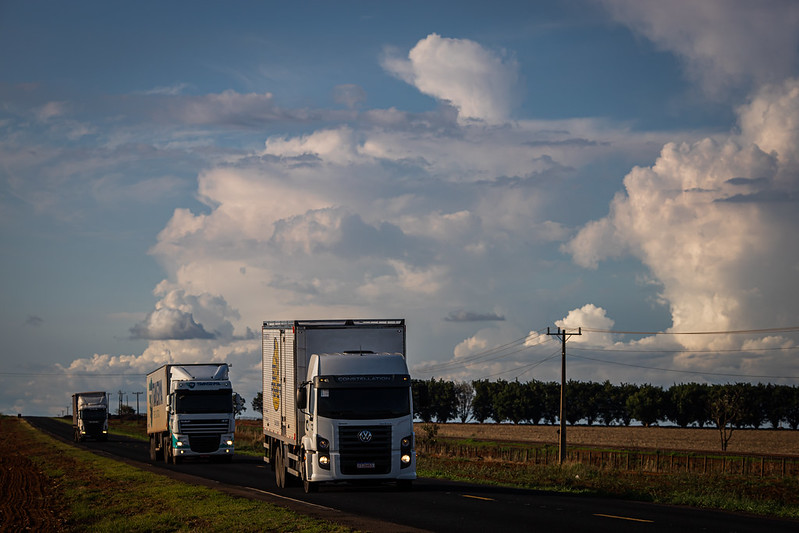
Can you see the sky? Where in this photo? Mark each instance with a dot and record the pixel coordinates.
(173, 174)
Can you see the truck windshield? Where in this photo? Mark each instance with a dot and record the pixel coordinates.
(93, 414)
(364, 403)
(204, 401)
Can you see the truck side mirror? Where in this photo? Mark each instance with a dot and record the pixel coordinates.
(302, 398)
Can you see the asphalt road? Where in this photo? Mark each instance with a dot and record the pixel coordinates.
(432, 505)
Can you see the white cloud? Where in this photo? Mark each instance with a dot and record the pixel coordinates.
(480, 83)
(588, 316)
(704, 221)
(723, 42)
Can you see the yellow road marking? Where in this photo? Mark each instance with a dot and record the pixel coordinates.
(478, 497)
(624, 518)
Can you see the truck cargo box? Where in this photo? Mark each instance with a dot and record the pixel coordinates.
(287, 348)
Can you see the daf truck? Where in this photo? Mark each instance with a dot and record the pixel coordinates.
(190, 412)
(337, 403)
(90, 415)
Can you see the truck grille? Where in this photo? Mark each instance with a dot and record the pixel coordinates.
(365, 449)
(196, 427)
(204, 443)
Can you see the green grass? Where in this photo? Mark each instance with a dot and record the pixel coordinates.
(101, 494)
(773, 497)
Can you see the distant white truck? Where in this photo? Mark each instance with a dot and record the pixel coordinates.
(337, 402)
(90, 415)
(190, 412)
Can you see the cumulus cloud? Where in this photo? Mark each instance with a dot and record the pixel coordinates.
(722, 263)
(169, 324)
(589, 317)
(480, 83)
(722, 42)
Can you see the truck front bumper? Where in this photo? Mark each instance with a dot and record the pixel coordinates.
(203, 445)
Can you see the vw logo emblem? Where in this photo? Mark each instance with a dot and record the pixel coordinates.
(365, 436)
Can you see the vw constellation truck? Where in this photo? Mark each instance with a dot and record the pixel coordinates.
(190, 412)
(90, 415)
(337, 402)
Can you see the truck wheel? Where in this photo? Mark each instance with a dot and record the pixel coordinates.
(280, 468)
(167, 449)
(307, 486)
(153, 453)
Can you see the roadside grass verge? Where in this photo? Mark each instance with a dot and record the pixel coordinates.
(772, 497)
(101, 494)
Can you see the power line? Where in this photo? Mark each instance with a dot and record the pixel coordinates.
(697, 372)
(734, 350)
(528, 367)
(492, 354)
(789, 329)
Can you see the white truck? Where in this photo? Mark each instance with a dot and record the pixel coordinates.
(337, 403)
(190, 412)
(90, 415)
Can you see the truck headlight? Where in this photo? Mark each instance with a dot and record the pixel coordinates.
(229, 442)
(406, 451)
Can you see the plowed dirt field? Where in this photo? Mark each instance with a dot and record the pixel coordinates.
(29, 499)
(746, 441)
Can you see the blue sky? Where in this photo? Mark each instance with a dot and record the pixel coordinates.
(172, 175)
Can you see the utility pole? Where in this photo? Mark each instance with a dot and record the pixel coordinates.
(137, 401)
(563, 334)
(119, 411)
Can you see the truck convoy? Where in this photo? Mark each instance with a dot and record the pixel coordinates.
(190, 412)
(90, 415)
(337, 403)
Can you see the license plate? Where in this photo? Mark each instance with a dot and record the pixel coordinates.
(366, 465)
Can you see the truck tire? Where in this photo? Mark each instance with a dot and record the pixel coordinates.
(153, 452)
(280, 468)
(167, 445)
(307, 486)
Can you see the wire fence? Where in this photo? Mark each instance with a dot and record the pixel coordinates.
(649, 461)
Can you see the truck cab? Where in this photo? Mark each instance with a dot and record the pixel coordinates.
(90, 415)
(358, 422)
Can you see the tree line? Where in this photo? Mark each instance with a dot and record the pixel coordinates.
(737, 405)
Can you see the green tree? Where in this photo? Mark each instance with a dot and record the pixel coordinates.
(422, 402)
(726, 408)
(510, 401)
(792, 407)
(483, 403)
(777, 402)
(687, 404)
(442, 395)
(258, 403)
(464, 396)
(551, 397)
(575, 401)
(534, 395)
(646, 404)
